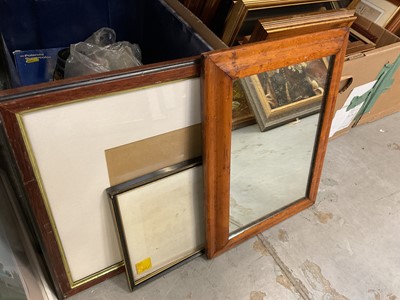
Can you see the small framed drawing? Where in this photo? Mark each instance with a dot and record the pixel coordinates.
(159, 218)
(381, 12)
(282, 95)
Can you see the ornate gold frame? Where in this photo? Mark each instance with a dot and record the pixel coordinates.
(241, 8)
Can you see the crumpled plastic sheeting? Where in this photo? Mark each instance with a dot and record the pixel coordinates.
(101, 53)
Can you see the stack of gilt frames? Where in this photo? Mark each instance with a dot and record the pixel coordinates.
(244, 13)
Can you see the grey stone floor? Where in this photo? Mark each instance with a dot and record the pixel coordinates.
(347, 246)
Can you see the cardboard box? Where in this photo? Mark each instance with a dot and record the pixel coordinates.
(361, 69)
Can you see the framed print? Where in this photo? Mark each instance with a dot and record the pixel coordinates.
(286, 26)
(90, 128)
(279, 96)
(282, 95)
(268, 175)
(194, 6)
(160, 219)
(380, 12)
(242, 114)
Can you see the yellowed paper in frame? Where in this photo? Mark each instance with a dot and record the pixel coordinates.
(163, 221)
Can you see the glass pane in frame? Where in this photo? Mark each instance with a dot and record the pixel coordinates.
(241, 63)
(270, 170)
(160, 219)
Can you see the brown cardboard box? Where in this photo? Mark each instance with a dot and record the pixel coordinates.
(363, 68)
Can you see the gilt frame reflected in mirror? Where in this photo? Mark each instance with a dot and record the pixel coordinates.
(274, 103)
(301, 94)
(221, 70)
(159, 220)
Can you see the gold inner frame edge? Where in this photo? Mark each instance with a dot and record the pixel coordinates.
(73, 284)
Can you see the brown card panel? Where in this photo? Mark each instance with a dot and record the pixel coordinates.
(142, 157)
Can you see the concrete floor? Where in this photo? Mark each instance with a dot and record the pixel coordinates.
(346, 246)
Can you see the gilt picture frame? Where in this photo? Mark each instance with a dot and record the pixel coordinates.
(160, 221)
(381, 12)
(286, 94)
(87, 120)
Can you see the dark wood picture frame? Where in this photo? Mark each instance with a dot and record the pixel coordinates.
(18, 101)
(220, 69)
(241, 8)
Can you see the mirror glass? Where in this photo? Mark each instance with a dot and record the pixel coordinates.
(270, 167)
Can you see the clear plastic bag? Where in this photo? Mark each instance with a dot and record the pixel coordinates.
(100, 53)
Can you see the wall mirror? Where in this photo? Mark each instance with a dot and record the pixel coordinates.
(253, 178)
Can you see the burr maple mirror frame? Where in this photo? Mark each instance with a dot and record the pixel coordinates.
(221, 69)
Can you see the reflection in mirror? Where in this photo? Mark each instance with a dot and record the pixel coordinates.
(270, 170)
(282, 160)
(282, 95)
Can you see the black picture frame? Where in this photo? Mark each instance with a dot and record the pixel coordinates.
(120, 216)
